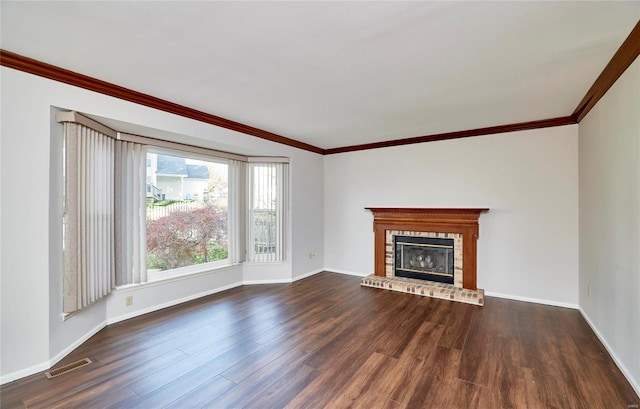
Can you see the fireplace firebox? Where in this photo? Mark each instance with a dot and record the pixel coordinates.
(424, 258)
(435, 245)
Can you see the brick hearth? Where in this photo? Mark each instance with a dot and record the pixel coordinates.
(461, 225)
(425, 288)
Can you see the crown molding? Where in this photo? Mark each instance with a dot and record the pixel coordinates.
(521, 126)
(39, 68)
(621, 60)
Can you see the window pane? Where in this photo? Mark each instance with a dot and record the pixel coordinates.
(187, 217)
(266, 224)
(263, 208)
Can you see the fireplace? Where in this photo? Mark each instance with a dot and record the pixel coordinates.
(430, 252)
(424, 258)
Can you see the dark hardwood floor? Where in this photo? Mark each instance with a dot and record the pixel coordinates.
(326, 342)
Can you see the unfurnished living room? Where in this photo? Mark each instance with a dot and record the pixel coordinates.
(319, 204)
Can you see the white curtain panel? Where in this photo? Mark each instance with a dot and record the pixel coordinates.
(130, 218)
(88, 218)
(236, 206)
(282, 172)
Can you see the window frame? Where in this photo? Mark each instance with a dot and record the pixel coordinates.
(201, 267)
(281, 210)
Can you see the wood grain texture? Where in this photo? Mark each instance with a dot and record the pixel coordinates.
(521, 126)
(39, 68)
(327, 342)
(621, 60)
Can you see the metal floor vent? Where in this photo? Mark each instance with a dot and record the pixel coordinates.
(67, 368)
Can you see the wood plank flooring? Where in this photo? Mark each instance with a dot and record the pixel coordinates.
(327, 342)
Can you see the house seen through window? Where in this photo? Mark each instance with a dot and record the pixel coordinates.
(187, 212)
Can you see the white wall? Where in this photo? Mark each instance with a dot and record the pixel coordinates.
(25, 217)
(171, 187)
(33, 335)
(610, 220)
(151, 296)
(528, 246)
(309, 178)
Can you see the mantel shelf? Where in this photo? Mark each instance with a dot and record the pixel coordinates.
(437, 220)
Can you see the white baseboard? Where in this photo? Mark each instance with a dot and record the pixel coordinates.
(283, 280)
(623, 369)
(171, 303)
(24, 372)
(309, 274)
(204, 294)
(46, 365)
(275, 281)
(533, 300)
(507, 296)
(76, 344)
(351, 273)
(50, 363)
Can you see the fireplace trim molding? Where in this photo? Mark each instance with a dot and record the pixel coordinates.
(445, 220)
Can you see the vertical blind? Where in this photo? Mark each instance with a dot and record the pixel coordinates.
(236, 206)
(267, 203)
(130, 221)
(88, 216)
(104, 232)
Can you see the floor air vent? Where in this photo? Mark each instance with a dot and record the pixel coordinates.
(68, 368)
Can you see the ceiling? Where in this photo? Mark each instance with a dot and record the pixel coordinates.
(334, 74)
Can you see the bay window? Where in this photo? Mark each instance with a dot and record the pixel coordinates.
(178, 209)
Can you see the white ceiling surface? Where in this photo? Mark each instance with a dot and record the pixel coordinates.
(336, 73)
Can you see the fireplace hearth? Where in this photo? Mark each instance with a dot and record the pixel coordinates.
(430, 252)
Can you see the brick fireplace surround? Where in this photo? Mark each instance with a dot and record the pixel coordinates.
(461, 225)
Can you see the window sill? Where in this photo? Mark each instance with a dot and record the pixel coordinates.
(190, 273)
(66, 315)
(265, 263)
